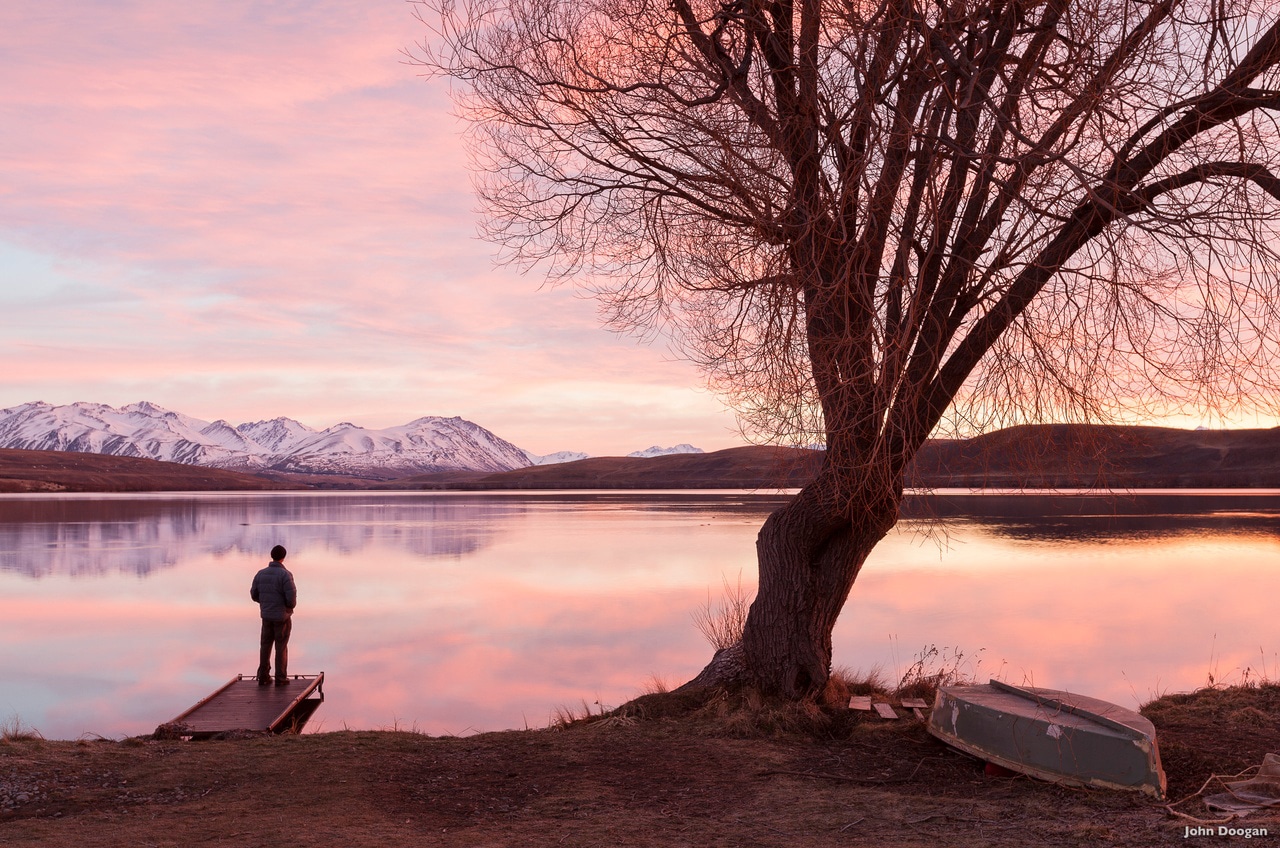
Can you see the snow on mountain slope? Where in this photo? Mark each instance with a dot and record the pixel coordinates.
(660, 451)
(146, 430)
(427, 444)
(140, 429)
(556, 458)
(277, 436)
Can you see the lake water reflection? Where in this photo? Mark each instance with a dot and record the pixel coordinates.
(454, 613)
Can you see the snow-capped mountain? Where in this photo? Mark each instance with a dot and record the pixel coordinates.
(427, 444)
(149, 431)
(660, 451)
(279, 435)
(556, 458)
(152, 432)
(139, 429)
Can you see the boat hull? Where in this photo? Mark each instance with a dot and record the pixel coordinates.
(1050, 734)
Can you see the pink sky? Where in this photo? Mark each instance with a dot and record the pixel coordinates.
(241, 210)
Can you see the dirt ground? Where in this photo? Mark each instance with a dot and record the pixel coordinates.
(656, 775)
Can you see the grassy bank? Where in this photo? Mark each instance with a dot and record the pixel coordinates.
(663, 774)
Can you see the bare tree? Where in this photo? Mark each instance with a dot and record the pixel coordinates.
(872, 219)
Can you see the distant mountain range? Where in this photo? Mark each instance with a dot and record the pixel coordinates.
(91, 447)
(1037, 457)
(279, 445)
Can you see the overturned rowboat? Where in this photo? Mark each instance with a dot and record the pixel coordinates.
(1053, 735)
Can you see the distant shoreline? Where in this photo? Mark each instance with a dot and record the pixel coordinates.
(1054, 457)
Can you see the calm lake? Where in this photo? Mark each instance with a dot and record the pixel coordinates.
(458, 613)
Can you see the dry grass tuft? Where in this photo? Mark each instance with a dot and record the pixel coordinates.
(934, 668)
(563, 716)
(871, 682)
(14, 730)
(721, 623)
(656, 685)
(745, 720)
(745, 714)
(676, 704)
(1248, 677)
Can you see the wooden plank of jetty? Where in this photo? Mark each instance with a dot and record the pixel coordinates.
(242, 706)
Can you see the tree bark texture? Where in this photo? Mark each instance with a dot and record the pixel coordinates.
(810, 553)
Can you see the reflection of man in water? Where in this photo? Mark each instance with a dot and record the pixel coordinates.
(276, 595)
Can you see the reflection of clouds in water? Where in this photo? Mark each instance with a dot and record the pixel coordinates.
(517, 667)
(478, 612)
(91, 537)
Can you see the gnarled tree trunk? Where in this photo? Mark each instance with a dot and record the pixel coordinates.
(810, 552)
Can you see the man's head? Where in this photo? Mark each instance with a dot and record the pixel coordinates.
(278, 553)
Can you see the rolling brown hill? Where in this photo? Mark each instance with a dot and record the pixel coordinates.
(1042, 456)
(1079, 456)
(1039, 456)
(64, 471)
(734, 468)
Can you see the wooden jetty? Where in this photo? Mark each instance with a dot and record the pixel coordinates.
(242, 706)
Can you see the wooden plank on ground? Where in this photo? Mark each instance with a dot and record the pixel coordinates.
(916, 705)
(860, 702)
(885, 710)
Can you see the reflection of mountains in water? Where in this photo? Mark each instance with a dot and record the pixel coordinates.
(42, 537)
(1064, 517)
(82, 538)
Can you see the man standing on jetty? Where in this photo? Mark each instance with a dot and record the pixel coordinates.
(276, 595)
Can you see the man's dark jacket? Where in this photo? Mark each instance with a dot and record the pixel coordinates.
(274, 591)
